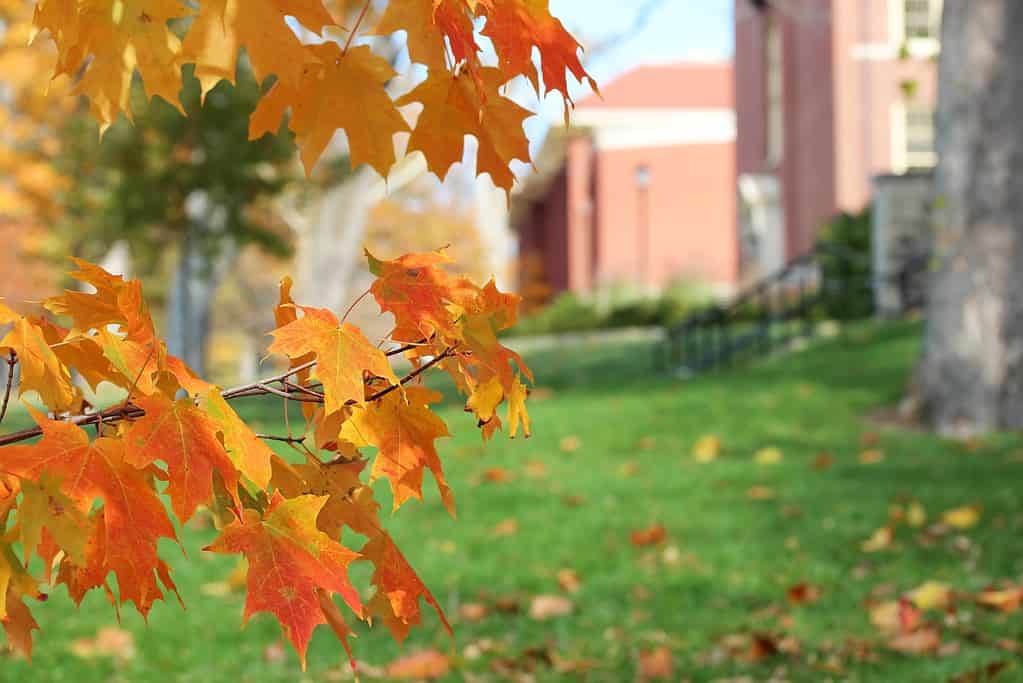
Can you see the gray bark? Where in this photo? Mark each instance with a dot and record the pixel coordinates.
(971, 375)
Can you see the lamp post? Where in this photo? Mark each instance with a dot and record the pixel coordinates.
(643, 178)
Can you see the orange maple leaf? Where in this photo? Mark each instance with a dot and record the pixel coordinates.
(185, 438)
(455, 106)
(338, 90)
(289, 559)
(134, 517)
(249, 454)
(403, 428)
(349, 501)
(41, 369)
(399, 588)
(437, 20)
(343, 355)
(516, 27)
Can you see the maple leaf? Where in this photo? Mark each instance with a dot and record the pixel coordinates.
(337, 90)
(399, 588)
(287, 312)
(19, 624)
(455, 106)
(515, 27)
(120, 36)
(44, 505)
(403, 428)
(343, 355)
(449, 19)
(349, 501)
(14, 578)
(134, 518)
(41, 370)
(289, 559)
(185, 438)
(248, 453)
(225, 26)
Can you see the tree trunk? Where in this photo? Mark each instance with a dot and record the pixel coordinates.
(971, 374)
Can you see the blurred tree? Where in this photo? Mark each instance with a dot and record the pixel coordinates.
(971, 375)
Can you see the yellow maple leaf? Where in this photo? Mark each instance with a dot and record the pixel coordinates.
(225, 26)
(962, 517)
(768, 456)
(707, 448)
(930, 595)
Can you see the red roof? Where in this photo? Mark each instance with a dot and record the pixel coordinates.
(689, 85)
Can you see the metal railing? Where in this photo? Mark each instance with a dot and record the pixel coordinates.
(770, 314)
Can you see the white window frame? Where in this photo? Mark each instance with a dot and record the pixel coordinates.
(774, 91)
(921, 48)
(901, 161)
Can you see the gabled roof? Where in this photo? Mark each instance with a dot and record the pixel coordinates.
(688, 85)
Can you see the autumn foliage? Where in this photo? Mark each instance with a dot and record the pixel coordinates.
(177, 438)
(324, 74)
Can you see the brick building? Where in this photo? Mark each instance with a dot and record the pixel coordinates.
(640, 190)
(829, 94)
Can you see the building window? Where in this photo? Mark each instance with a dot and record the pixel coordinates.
(920, 152)
(775, 87)
(922, 19)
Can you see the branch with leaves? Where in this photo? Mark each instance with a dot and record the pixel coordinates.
(285, 515)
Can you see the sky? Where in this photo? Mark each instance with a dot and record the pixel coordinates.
(677, 30)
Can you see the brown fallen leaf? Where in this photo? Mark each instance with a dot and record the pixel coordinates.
(760, 493)
(762, 646)
(986, 673)
(650, 536)
(472, 611)
(420, 665)
(823, 461)
(508, 604)
(647, 443)
(1005, 600)
(573, 501)
(544, 607)
(803, 593)
(657, 664)
(110, 641)
(536, 469)
(569, 580)
(628, 469)
(868, 439)
(895, 617)
(506, 527)
(497, 475)
(923, 641)
(570, 444)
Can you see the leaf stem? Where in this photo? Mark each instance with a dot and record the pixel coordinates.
(11, 361)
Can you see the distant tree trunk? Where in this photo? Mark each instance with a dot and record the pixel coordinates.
(971, 374)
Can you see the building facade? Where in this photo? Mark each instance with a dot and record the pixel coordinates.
(639, 190)
(829, 94)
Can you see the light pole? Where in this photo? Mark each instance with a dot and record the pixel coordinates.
(643, 178)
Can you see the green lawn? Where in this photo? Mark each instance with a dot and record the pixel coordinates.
(723, 570)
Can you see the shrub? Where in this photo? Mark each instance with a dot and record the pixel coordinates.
(846, 266)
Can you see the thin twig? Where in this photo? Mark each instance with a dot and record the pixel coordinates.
(355, 29)
(411, 376)
(12, 360)
(282, 439)
(244, 390)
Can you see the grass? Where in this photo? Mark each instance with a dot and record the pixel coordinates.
(723, 570)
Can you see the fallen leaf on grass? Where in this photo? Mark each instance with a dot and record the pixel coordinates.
(916, 515)
(868, 439)
(497, 475)
(647, 443)
(275, 652)
(545, 607)
(650, 536)
(879, 540)
(421, 665)
(768, 456)
(536, 469)
(803, 593)
(871, 456)
(570, 444)
(985, 673)
(569, 580)
(508, 604)
(110, 641)
(823, 461)
(760, 493)
(962, 517)
(1007, 600)
(895, 617)
(707, 448)
(656, 665)
(507, 527)
(931, 595)
(922, 641)
(472, 611)
(628, 469)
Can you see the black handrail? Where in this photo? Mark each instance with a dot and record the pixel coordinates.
(769, 314)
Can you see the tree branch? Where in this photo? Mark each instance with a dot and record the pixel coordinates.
(292, 392)
(11, 361)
